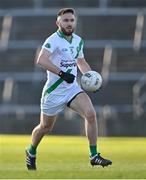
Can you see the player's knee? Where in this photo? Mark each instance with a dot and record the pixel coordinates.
(46, 129)
(91, 116)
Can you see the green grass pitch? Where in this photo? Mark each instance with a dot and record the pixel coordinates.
(66, 157)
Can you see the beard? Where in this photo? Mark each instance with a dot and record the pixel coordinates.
(67, 33)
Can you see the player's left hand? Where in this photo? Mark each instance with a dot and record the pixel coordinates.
(69, 78)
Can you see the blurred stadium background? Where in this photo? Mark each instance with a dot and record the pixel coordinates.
(115, 45)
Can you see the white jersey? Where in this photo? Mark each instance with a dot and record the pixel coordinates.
(64, 55)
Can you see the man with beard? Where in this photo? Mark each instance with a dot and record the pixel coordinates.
(60, 55)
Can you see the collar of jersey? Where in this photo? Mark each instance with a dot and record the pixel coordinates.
(61, 34)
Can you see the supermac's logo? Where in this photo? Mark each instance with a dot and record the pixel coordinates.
(68, 63)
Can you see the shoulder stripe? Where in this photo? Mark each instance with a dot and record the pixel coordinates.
(79, 47)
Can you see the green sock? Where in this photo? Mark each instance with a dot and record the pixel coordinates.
(93, 150)
(32, 149)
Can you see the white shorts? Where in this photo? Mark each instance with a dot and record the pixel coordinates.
(55, 102)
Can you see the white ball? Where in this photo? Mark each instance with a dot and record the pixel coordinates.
(91, 81)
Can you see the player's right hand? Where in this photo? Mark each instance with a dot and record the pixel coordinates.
(69, 78)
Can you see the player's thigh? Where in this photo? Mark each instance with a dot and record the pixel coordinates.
(47, 121)
(82, 105)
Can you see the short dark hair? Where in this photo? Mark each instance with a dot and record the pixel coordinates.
(66, 10)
